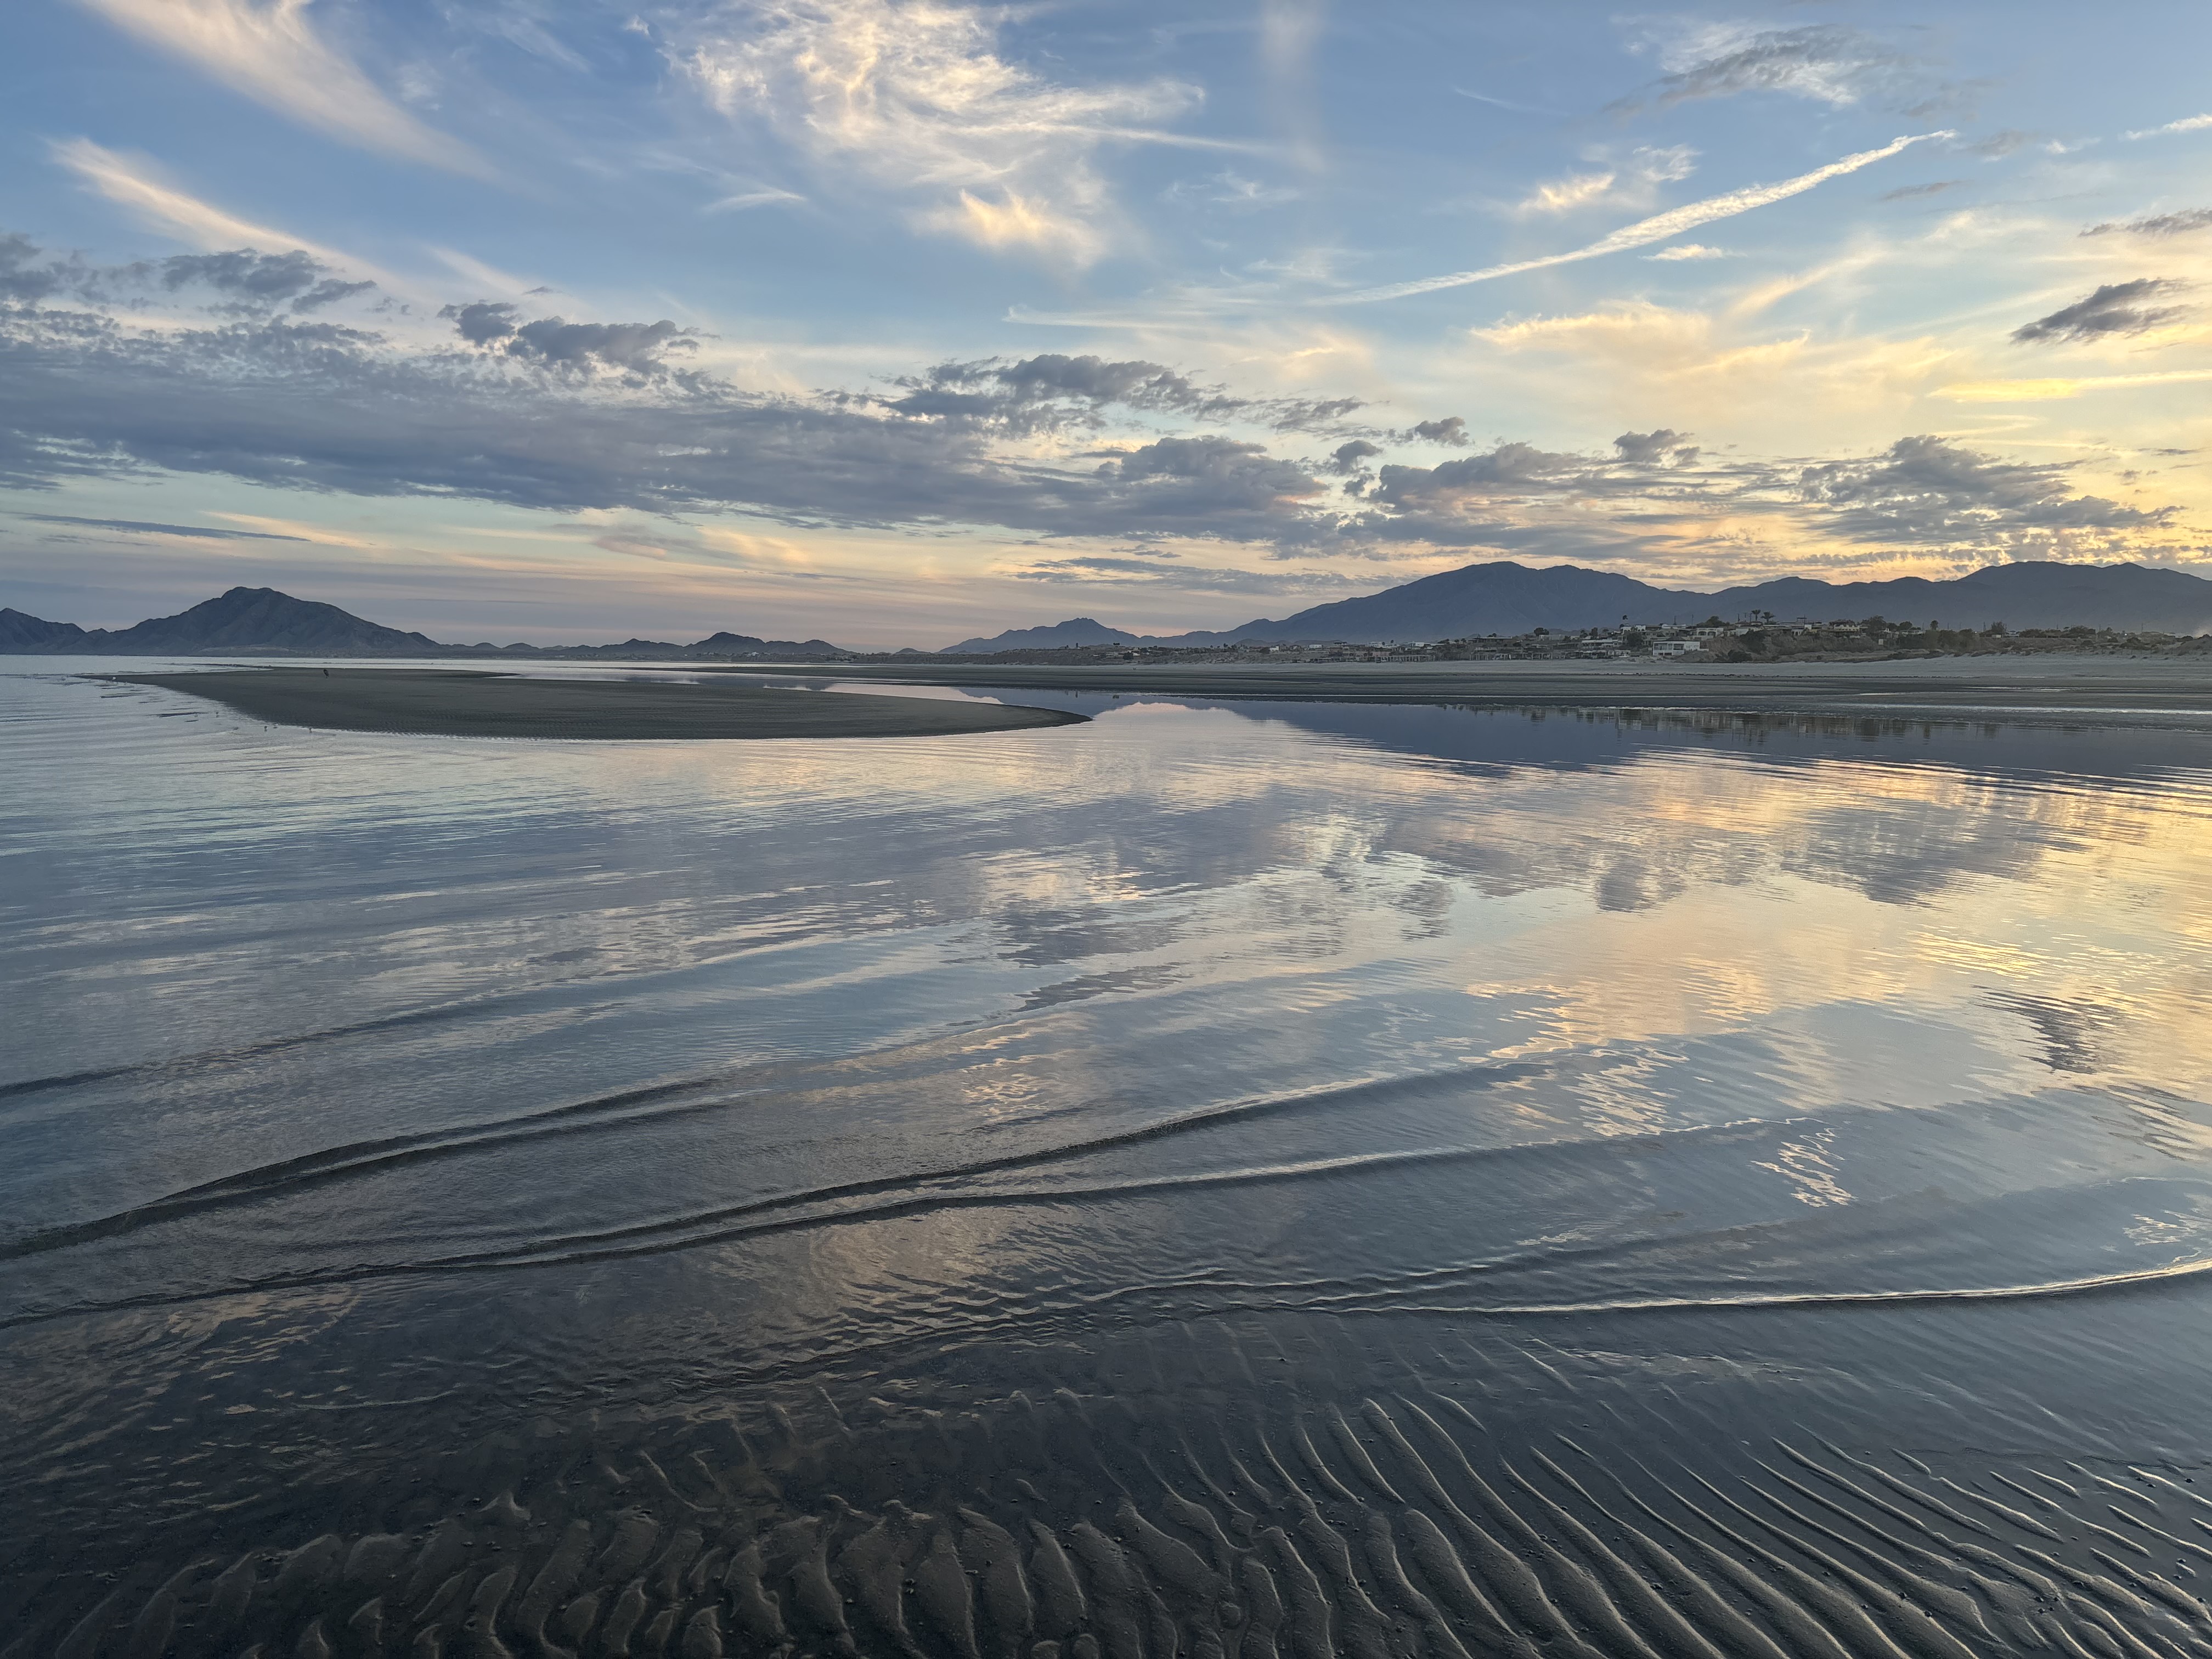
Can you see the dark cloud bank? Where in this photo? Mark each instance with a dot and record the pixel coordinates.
(262, 382)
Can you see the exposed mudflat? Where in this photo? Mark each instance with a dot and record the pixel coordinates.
(460, 703)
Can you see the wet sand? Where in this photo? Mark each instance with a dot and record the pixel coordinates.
(456, 703)
(1379, 1524)
(1339, 1181)
(2000, 687)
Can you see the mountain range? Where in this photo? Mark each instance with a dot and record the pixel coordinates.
(261, 619)
(1502, 598)
(1507, 599)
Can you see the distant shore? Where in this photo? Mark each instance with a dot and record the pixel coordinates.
(465, 704)
(1965, 687)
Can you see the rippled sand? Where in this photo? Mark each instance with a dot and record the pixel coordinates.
(1249, 1181)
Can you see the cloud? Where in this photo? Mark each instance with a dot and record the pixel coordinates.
(2163, 224)
(1928, 489)
(555, 342)
(1633, 180)
(1230, 189)
(134, 527)
(1221, 467)
(289, 401)
(916, 100)
(246, 280)
(258, 279)
(1347, 458)
(132, 182)
(2052, 389)
(1823, 62)
(267, 49)
(1644, 232)
(1689, 251)
(1501, 103)
(1923, 492)
(493, 412)
(1017, 221)
(768, 196)
(1565, 195)
(2187, 124)
(2113, 309)
(1051, 391)
(1124, 572)
(1911, 192)
(22, 280)
(1651, 448)
(1511, 469)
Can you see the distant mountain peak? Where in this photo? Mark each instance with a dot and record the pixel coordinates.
(1076, 630)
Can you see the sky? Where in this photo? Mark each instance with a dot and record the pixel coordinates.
(892, 324)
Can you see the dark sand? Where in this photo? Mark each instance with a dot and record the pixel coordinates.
(2165, 687)
(462, 704)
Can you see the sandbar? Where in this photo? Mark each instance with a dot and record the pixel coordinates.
(2162, 687)
(460, 703)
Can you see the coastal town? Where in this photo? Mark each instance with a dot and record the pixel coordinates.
(1758, 638)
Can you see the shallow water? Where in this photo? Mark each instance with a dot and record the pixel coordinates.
(1240, 1181)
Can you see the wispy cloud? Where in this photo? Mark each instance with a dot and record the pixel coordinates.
(137, 527)
(2055, 387)
(1824, 62)
(133, 183)
(1230, 189)
(1631, 182)
(1123, 572)
(2161, 224)
(2187, 124)
(488, 279)
(1502, 103)
(270, 52)
(917, 100)
(1577, 190)
(292, 530)
(1682, 251)
(751, 198)
(1913, 192)
(1644, 232)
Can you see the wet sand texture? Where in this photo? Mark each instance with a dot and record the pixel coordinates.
(1372, 1528)
(461, 704)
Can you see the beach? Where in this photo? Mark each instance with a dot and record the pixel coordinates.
(460, 703)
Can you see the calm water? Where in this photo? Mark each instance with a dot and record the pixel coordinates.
(1244, 1182)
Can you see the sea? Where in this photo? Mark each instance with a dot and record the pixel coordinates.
(1234, 1180)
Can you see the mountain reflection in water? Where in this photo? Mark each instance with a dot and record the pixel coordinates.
(1250, 1183)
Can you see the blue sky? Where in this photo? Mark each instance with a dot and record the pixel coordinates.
(893, 323)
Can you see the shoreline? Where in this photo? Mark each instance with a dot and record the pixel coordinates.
(478, 703)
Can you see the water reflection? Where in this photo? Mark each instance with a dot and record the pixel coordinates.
(1286, 1122)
